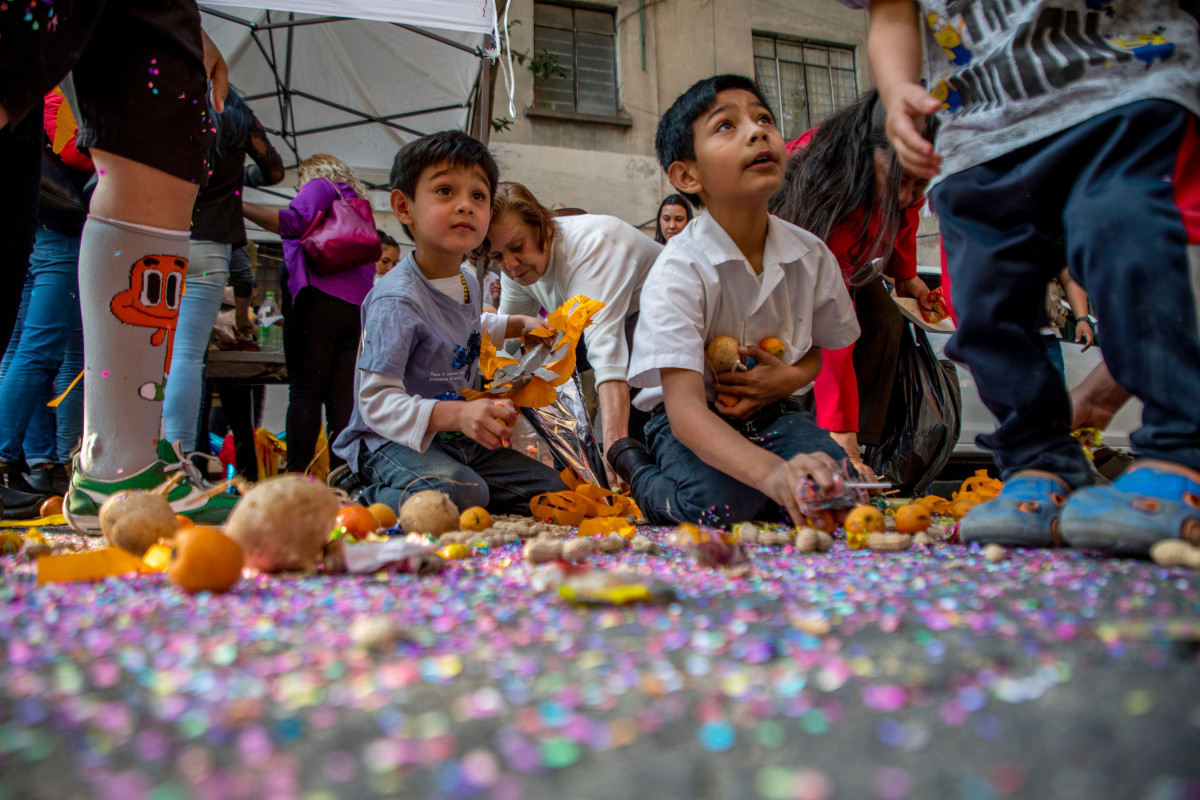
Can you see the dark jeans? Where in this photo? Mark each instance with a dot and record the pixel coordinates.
(501, 480)
(320, 345)
(1105, 188)
(682, 488)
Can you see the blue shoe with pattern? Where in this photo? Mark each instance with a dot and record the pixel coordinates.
(1149, 502)
(1024, 514)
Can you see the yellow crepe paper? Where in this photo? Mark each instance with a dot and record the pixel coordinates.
(93, 565)
(602, 526)
(586, 501)
(157, 557)
(53, 519)
(979, 488)
(570, 319)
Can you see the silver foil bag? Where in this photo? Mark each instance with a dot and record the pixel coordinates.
(565, 427)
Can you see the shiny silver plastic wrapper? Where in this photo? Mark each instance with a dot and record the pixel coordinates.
(565, 427)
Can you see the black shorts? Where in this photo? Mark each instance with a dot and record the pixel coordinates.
(138, 69)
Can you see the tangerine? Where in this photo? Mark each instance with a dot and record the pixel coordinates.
(204, 560)
(475, 518)
(773, 346)
(384, 513)
(357, 520)
(726, 400)
(51, 506)
(913, 518)
(185, 522)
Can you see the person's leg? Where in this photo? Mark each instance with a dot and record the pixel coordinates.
(513, 478)
(68, 416)
(679, 487)
(25, 421)
(14, 340)
(1000, 221)
(207, 272)
(344, 321)
(21, 166)
(1146, 254)
(308, 348)
(876, 354)
(1053, 346)
(236, 403)
(395, 472)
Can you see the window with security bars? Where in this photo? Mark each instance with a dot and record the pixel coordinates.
(804, 81)
(584, 42)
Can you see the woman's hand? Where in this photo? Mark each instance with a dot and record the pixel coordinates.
(217, 73)
(520, 326)
(1084, 333)
(915, 288)
(782, 482)
(769, 381)
(848, 441)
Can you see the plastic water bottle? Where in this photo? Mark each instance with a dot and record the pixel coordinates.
(270, 335)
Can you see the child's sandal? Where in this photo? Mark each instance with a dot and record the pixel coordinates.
(1024, 514)
(1149, 502)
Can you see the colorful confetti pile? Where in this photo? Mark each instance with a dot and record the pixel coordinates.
(852, 674)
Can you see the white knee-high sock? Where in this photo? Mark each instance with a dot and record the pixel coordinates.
(130, 282)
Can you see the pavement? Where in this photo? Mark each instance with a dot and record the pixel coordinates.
(932, 673)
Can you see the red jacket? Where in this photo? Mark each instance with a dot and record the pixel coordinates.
(836, 387)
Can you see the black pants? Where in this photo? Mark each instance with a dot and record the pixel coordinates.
(21, 166)
(320, 345)
(876, 354)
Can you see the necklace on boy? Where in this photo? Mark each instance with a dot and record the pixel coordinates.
(466, 291)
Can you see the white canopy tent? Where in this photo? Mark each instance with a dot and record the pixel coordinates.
(358, 88)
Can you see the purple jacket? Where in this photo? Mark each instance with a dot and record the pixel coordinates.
(314, 197)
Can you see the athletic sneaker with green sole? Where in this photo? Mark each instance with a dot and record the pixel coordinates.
(191, 496)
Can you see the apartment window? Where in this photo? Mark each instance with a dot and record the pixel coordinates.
(584, 40)
(805, 81)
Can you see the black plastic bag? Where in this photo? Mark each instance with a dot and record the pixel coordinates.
(924, 417)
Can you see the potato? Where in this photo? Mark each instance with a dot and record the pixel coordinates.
(283, 523)
(429, 512)
(722, 353)
(133, 521)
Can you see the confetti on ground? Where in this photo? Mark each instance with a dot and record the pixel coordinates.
(927, 673)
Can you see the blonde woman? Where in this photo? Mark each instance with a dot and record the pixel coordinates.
(321, 312)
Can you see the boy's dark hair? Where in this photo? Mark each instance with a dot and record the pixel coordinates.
(386, 239)
(447, 147)
(675, 140)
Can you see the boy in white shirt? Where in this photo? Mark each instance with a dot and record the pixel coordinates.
(411, 429)
(735, 271)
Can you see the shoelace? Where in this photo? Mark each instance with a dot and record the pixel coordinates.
(185, 465)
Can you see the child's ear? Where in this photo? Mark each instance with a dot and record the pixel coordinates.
(401, 206)
(682, 175)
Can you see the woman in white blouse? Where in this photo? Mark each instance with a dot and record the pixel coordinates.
(547, 261)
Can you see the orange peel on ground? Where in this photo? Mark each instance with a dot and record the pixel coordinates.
(583, 501)
(979, 488)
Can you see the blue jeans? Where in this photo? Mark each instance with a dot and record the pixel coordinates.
(207, 273)
(1099, 189)
(502, 480)
(682, 488)
(46, 357)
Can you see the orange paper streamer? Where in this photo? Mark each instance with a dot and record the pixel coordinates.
(979, 488)
(584, 501)
(570, 319)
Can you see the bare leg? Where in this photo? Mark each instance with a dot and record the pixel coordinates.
(1096, 400)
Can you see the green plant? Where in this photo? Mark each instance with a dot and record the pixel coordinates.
(543, 65)
(501, 124)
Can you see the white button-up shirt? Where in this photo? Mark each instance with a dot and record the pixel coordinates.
(702, 287)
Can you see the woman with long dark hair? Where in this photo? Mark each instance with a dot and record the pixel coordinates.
(217, 230)
(845, 184)
(674, 213)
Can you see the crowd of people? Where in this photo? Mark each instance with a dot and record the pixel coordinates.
(764, 241)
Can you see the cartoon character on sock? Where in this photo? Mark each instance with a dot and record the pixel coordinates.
(152, 301)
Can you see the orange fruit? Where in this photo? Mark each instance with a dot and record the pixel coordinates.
(913, 518)
(357, 520)
(475, 518)
(822, 520)
(773, 346)
(864, 519)
(726, 400)
(184, 522)
(51, 506)
(961, 508)
(204, 560)
(383, 513)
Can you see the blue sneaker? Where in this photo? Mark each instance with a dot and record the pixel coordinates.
(1149, 502)
(1024, 514)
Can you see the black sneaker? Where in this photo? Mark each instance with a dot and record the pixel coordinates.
(49, 479)
(627, 457)
(348, 481)
(20, 505)
(11, 478)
